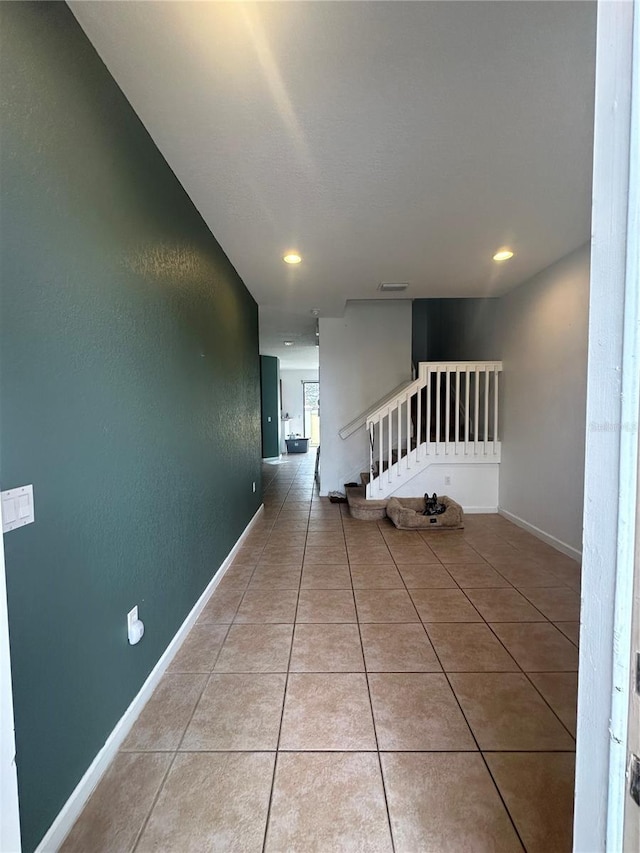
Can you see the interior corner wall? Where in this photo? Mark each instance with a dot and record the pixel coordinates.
(363, 355)
(292, 398)
(270, 405)
(130, 400)
(544, 325)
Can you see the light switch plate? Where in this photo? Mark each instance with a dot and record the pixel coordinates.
(17, 508)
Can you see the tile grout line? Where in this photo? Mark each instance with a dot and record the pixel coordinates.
(373, 718)
(284, 699)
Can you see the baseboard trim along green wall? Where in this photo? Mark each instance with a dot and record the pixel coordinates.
(71, 810)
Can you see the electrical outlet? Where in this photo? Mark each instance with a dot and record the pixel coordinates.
(254, 486)
(447, 480)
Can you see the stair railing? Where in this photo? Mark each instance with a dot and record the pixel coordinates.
(450, 410)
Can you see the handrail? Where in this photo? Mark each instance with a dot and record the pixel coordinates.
(359, 421)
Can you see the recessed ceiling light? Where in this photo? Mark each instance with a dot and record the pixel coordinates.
(292, 258)
(288, 343)
(503, 255)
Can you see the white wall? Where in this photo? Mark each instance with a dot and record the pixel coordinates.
(473, 485)
(363, 355)
(292, 398)
(543, 392)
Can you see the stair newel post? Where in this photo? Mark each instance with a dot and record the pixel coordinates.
(476, 409)
(457, 415)
(467, 415)
(418, 427)
(447, 413)
(495, 409)
(408, 423)
(486, 410)
(399, 439)
(428, 424)
(438, 394)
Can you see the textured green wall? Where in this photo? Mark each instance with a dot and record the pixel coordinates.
(270, 404)
(130, 399)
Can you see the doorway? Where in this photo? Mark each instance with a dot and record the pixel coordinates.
(311, 408)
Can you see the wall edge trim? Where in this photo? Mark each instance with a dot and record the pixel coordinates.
(480, 510)
(69, 813)
(556, 543)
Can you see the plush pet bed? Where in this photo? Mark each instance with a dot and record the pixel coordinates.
(406, 514)
(361, 508)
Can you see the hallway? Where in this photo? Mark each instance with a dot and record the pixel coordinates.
(352, 687)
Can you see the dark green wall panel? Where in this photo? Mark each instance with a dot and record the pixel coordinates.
(270, 405)
(130, 399)
(455, 330)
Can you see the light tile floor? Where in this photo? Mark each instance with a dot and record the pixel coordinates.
(352, 687)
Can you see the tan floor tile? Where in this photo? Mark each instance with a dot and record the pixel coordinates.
(469, 647)
(398, 648)
(222, 606)
(326, 577)
(417, 711)
(326, 648)
(237, 712)
(118, 808)
(503, 605)
(319, 554)
(457, 556)
(237, 577)
(557, 603)
(164, 718)
(256, 648)
(327, 712)
(385, 605)
(506, 713)
(276, 577)
(268, 605)
(371, 576)
(211, 802)
(445, 803)
(328, 802)
(426, 577)
(520, 575)
(412, 554)
(279, 556)
(476, 575)
(538, 791)
(326, 605)
(444, 605)
(570, 630)
(325, 540)
(560, 689)
(537, 646)
(199, 651)
(369, 556)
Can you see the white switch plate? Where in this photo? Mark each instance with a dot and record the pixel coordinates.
(17, 508)
(132, 616)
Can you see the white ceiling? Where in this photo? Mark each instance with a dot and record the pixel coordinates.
(386, 141)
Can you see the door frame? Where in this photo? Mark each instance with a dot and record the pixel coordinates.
(611, 456)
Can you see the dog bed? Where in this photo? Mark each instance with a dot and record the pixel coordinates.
(406, 514)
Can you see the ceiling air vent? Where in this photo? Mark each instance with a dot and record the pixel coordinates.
(393, 286)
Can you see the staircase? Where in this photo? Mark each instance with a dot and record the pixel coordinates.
(448, 414)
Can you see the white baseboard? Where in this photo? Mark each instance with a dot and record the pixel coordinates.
(558, 544)
(476, 510)
(71, 810)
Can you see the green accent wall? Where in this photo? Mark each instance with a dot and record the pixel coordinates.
(130, 392)
(270, 405)
(455, 330)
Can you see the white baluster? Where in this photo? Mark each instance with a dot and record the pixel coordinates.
(486, 410)
(438, 387)
(467, 413)
(476, 410)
